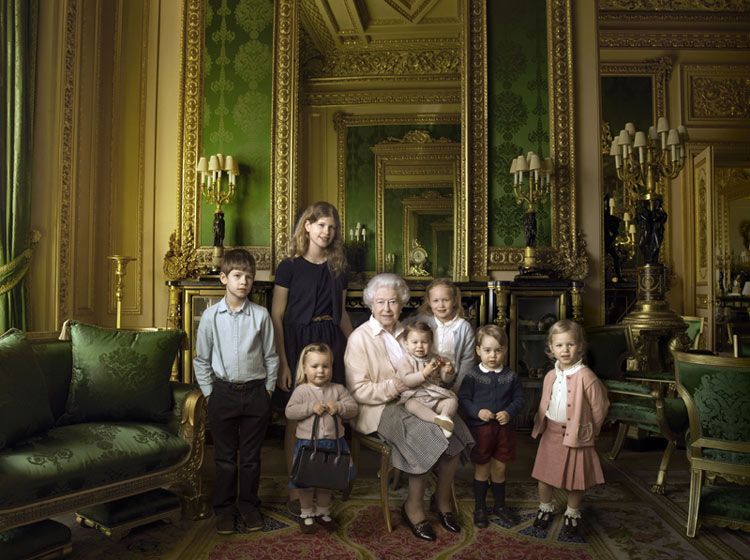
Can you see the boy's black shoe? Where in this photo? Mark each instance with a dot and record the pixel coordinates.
(543, 519)
(571, 526)
(480, 519)
(505, 515)
(252, 520)
(225, 524)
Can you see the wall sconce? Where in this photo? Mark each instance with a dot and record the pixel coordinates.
(218, 175)
(538, 172)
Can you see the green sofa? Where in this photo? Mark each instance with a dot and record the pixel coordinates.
(73, 446)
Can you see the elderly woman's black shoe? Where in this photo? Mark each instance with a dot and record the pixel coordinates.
(422, 530)
(448, 519)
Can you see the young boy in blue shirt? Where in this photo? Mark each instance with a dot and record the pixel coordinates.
(491, 395)
(236, 367)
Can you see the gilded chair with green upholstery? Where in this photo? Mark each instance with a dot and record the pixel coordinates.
(741, 345)
(637, 402)
(694, 330)
(716, 391)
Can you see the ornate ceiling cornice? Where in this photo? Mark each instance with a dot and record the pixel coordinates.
(445, 63)
(673, 40)
(676, 5)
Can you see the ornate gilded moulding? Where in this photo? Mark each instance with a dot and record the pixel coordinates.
(666, 24)
(567, 252)
(185, 257)
(716, 95)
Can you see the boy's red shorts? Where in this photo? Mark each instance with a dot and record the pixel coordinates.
(493, 441)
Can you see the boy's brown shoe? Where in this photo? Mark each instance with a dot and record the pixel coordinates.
(252, 520)
(225, 524)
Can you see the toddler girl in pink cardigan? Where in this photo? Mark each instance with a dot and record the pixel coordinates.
(571, 412)
(313, 396)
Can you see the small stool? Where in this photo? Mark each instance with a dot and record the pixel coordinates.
(116, 519)
(44, 540)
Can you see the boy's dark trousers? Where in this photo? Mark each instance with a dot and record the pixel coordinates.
(238, 416)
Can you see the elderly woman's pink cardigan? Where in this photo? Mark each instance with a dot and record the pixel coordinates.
(370, 377)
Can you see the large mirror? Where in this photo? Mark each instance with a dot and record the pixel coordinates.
(496, 86)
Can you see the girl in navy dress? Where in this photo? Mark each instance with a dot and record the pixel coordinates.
(308, 304)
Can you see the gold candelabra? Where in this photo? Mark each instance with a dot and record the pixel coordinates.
(121, 262)
(531, 180)
(218, 175)
(644, 162)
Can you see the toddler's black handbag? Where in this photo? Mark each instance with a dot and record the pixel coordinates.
(317, 468)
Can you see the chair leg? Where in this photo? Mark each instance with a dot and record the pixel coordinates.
(355, 449)
(383, 473)
(619, 440)
(658, 488)
(696, 480)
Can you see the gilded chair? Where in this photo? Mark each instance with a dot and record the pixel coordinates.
(637, 401)
(694, 330)
(741, 345)
(385, 469)
(716, 391)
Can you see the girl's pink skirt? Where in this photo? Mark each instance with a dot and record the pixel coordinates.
(569, 468)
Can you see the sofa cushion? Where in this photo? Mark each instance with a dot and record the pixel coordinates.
(73, 458)
(56, 361)
(120, 374)
(24, 404)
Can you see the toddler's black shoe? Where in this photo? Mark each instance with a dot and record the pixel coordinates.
(571, 526)
(543, 519)
(480, 518)
(505, 515)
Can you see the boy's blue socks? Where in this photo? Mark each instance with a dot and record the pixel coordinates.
(480, 494)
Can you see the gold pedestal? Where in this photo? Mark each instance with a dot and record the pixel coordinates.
(529, 257)
(656, 328)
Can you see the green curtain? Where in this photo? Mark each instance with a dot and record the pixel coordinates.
(18, 27)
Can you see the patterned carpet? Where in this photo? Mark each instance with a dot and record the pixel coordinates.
(623, 521)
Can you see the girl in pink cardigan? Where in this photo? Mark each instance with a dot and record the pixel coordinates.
(313, 396)
(571, 412)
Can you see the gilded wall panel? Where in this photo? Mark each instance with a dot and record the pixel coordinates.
(716, 95)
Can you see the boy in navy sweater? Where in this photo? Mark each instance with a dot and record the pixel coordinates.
(490, 396)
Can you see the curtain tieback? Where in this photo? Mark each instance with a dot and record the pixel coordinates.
(13, 272)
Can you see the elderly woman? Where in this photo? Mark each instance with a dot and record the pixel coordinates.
(372, 351)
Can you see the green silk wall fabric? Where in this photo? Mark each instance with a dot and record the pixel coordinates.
(237, 106)
(518, 112)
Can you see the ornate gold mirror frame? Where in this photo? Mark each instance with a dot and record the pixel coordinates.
(418, 160)
(185, 257)
(568, 250)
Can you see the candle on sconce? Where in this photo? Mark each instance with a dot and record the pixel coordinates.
(351, 234)
(626, 217)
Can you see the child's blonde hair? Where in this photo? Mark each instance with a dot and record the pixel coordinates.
(567, 326)
(493, 331)
(317, 348)
(425, 308)
(300, 240)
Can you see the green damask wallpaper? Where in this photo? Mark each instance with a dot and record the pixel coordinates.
(237, 106)
(518, 111)
(360, 176)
